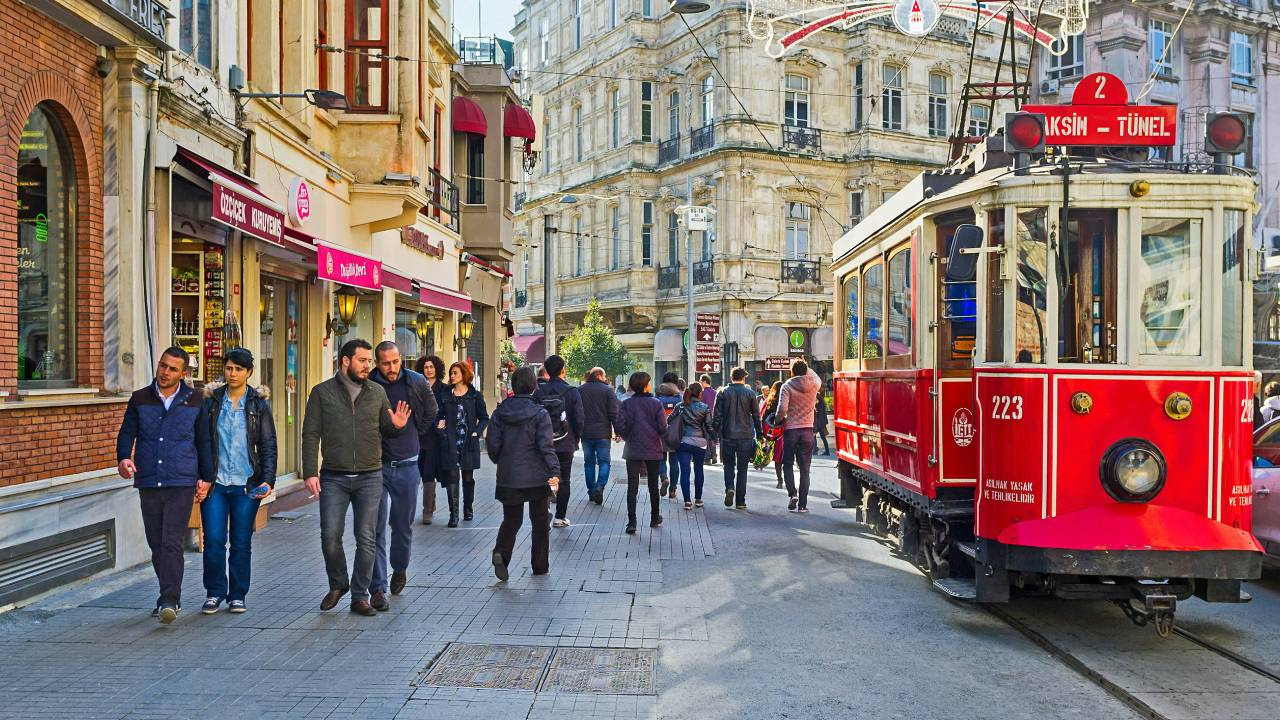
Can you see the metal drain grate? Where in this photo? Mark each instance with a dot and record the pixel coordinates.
(600, 670)
(496, 667)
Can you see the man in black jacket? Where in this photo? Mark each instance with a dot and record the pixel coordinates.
(400, 475)
(738, 425)
(567, 443)
(599, 411)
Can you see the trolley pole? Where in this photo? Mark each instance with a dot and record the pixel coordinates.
(548, 280)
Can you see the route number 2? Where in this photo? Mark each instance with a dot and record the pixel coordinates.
(1006, 407)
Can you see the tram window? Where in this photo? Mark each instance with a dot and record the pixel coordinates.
(900, 303)
(958, 306)
(1031, 318)
(995, 288)
(1233, 287)
(1168, 278)
(851, 336)
(1086, 277)
(873, 311)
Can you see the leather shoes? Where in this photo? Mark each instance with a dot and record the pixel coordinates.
(398, 581)
(379, 602)
(362, 607)
(331, 598)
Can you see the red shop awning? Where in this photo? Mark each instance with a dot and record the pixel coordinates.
(443, 298)
(468, 117)
(517, 122)
(532, 347)
(396, 281)
(236, 202)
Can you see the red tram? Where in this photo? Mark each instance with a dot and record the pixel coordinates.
(1055, 400)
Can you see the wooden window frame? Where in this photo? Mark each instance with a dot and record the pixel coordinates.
(907, 359)
(360, 48)
(876, 363)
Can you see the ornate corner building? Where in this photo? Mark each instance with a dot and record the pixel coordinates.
(637, 120)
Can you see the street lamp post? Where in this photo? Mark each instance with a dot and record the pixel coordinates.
(548, 270)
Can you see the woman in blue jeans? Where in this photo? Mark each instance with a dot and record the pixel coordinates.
(695, 436)
(237, 475)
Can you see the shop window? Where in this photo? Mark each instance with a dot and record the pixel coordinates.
(900, 301)
(366, 49)
(46, 254)
(852, 337)
(195, 31)
(198, 302)
(1168, 278)
(1030, 318)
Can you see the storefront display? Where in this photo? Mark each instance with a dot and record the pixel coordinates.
(198, 296)
(280, 317)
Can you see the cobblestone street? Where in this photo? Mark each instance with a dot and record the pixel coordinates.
(723, 614)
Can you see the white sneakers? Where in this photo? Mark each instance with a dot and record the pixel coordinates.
(560, 523)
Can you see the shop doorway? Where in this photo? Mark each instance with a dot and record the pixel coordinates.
(280, 312)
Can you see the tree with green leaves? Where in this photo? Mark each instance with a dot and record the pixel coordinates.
(508, 353)
(592, 344)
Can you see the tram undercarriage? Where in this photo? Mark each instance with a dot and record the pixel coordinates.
(937, 536)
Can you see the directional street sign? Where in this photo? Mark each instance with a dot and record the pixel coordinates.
(707, 346)
(777, 363)
(708, 327)
(708, 358)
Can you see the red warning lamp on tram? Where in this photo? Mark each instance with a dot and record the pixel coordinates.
(1224, 133)
(1024, 134)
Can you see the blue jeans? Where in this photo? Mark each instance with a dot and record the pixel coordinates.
(362, 492)
(686, 454)
(595, 453)
(395, 510)
(227, 505)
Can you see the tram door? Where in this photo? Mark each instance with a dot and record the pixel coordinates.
(1087, 288)
(955, 335)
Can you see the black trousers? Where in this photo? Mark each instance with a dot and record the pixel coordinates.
(562, 495)
(737, 454)
(468, 478)
(634, 468)
(165, 512)
(512, 518)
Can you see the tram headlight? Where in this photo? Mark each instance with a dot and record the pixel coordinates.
(1132, 470)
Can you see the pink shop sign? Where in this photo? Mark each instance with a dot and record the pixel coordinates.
(348, 268)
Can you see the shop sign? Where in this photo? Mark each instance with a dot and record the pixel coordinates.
(420, 241)
(299, 202)
(247, 215)
(147, 16)
(348, 268)
(777, 363)
(797, 342)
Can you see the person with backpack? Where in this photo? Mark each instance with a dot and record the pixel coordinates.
(669, 394)
(642, 424)
(691, 433)
(519, 443)
(563, 404)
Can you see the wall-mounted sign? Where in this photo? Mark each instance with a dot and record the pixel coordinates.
(777, 363)
(245, 213)
(348, 268)
(299, 202)
(797, 342)
(147, 16)
(420, 241)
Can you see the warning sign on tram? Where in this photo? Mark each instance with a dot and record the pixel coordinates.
(1100, 115)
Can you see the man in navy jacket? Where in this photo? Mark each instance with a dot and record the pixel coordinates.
(160, 445)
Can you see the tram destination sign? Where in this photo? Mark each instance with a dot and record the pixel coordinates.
(1100, 115)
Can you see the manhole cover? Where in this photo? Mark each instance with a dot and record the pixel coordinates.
(497, 667)
(600, 670)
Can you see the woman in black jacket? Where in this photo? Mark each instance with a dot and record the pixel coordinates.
(430, 467)
(463, 417)
(519, 443)
(238, 473)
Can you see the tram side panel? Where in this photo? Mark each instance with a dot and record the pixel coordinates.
(884, 425)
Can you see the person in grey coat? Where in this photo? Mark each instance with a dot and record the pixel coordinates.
(642, 423)
(519, 443)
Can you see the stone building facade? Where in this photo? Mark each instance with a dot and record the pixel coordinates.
(637, 121)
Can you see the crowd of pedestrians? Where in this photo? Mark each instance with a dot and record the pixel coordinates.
(377, 431)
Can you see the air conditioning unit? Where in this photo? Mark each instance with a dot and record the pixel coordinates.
(1049, 87)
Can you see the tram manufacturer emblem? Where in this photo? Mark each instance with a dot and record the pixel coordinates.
(962, 427)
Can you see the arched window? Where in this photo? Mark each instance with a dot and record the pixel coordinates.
(46, 252)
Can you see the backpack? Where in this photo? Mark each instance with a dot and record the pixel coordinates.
(675, 432)
(553, 402)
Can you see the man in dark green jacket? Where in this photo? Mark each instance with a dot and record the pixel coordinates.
(347, 415)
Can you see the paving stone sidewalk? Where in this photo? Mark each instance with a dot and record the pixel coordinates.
(106, 658)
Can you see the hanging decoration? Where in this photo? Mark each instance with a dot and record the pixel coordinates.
(784, 24)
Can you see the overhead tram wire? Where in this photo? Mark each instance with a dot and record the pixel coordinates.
(1155, 67)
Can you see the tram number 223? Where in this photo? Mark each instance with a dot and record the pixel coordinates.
(1006, 407)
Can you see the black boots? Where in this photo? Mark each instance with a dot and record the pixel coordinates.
(452, 491)
(468, 498)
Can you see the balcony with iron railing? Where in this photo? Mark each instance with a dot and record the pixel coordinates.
(443, 196)
(669, 150)
(703, 273)
(669, 278)
(801, 272)
(702, 138)
(806, 139)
